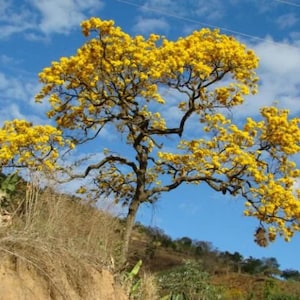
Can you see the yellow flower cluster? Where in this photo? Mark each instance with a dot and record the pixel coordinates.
(280, 131)
(114, 65)
(96, 24)
(22, 144)
(253, 162)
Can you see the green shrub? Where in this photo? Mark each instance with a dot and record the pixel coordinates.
(272, 292)
(187, 282)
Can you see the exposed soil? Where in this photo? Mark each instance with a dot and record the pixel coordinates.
(21, 280)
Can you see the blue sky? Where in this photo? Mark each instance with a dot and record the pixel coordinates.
(35, 32)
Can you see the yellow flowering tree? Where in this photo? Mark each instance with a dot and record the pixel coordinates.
(122, 83)
(25, 145)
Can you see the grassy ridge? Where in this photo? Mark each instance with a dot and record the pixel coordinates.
(52, 232)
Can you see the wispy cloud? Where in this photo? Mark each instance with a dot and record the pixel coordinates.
(210, 10)
(149, 25)
(182, 9)
(5, 59)
(14, 18)
(17, 100)
(262, 6)
(287, 20)
(156, 6)
(44, 17)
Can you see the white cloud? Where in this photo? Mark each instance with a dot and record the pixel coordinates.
(279, 75)
(278, 58)
(287, 20)
(58, 16)
(151, 25)
(44, 16)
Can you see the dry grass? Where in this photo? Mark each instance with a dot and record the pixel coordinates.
(57, 221)
(141, 287)
(61, 239)
(148, 289)
(57, 235)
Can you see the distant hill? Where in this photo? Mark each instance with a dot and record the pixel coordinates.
(240, 278)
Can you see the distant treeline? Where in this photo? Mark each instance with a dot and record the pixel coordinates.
(212, 259)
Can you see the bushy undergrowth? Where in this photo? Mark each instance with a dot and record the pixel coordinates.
(188, 281)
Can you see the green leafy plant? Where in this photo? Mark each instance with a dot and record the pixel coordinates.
(8, 185)
(270, 289)
(187, 282)
(132, 281)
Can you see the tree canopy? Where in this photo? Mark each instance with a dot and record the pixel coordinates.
(124, 84)
(290, 274)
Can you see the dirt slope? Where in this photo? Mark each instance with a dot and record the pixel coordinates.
(21, 280)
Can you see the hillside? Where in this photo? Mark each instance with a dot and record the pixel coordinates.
(235, 283)
(55, 247)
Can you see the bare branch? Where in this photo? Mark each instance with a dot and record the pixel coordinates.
(106, 160)
(185, 179)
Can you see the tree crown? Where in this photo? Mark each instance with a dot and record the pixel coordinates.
(122, 82)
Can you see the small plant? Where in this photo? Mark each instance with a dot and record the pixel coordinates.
(132, 281)
(9, 183)
(8, 186)
(270, 289)
(140, 286)
(187, 282)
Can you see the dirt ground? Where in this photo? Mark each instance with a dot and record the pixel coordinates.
(21, 280)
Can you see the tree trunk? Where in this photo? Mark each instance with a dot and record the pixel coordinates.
(133, 208)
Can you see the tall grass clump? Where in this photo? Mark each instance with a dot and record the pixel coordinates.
(54, 232)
